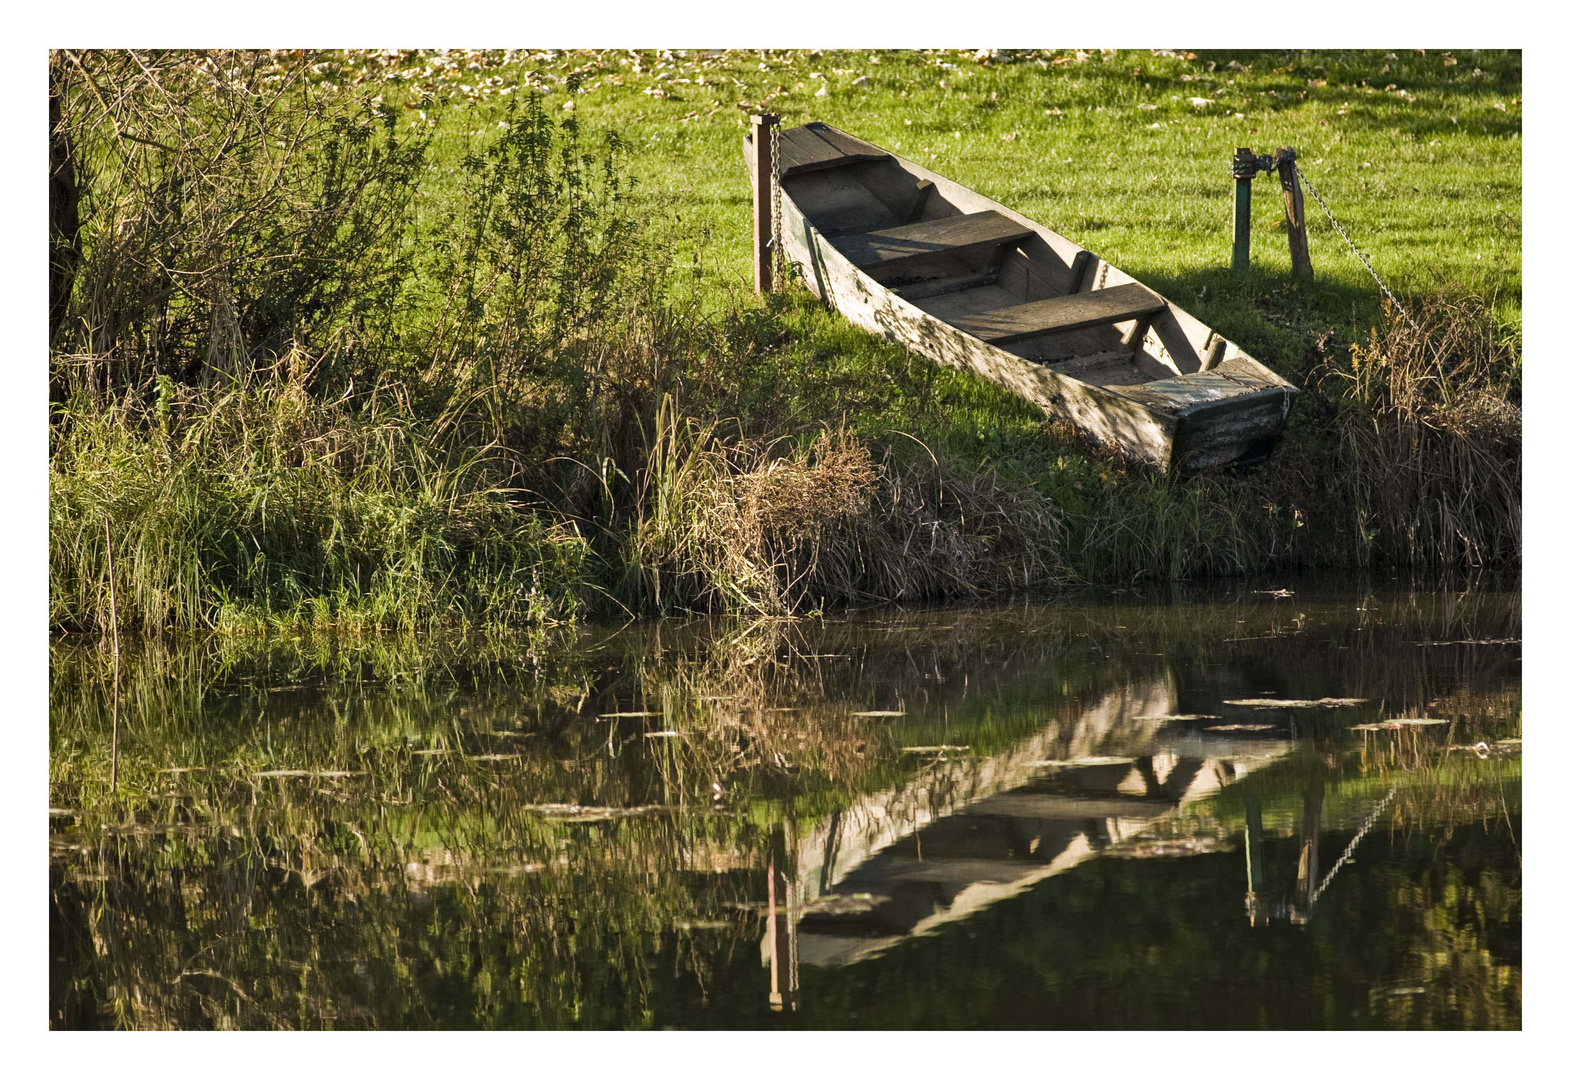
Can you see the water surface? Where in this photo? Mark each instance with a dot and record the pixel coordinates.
(1123, 813)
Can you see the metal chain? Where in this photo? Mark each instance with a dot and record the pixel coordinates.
(1359, 835)
(776, 248)
(1337, 225)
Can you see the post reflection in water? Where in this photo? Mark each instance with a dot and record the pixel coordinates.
(1023, 817)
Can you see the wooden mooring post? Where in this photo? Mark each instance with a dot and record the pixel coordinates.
(763, 202)
(1293, 201)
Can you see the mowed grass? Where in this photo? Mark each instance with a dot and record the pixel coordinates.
(1418, 154)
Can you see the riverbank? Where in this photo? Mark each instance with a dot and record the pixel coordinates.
(471, 358)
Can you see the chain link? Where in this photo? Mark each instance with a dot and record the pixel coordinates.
(1359, 835)
(1337, 225)
(776, 247)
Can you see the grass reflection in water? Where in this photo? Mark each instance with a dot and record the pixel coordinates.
(480, 834)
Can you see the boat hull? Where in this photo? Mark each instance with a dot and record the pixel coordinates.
(1231, 414)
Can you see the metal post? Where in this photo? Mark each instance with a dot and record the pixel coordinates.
(1244, 169)
(763, 202)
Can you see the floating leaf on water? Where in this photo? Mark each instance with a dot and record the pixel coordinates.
(1295, 703)
(573, 812)
(1398, 722)
(931, 749)
(1242, 727)
(1078, 763)
(1179, 716)
(880, 712)
(1472, 641)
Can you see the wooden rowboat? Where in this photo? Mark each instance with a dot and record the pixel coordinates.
(964, 281)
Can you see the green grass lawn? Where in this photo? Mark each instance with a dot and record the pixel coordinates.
(1418, 155)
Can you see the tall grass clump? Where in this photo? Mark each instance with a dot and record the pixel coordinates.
(774, 526)
(1429, 439)
(257, 504)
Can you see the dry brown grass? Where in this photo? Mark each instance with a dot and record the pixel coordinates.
(1430, 438)
(782, 525)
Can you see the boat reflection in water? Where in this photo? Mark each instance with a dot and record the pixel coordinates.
(968, 831)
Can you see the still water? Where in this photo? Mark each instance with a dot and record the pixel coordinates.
(1213, 809)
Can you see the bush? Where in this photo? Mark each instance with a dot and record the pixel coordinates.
(214, 211)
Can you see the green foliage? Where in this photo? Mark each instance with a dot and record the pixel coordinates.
(254, 505)
(230, 214)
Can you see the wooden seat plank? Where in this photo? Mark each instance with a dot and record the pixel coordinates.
(800, 149)
(1059, 314)
(941, 236)
(849, 145)
(817, 146)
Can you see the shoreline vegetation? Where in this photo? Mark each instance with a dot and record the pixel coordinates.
(423, 340)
